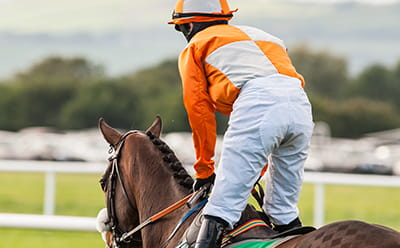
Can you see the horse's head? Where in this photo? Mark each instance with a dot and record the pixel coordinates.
(134, 171)
(121, 214)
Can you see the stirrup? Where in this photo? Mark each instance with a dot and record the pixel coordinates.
(211, 232)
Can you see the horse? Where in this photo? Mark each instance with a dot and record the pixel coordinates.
(144, 179)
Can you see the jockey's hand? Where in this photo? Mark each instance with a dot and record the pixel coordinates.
(209, 181)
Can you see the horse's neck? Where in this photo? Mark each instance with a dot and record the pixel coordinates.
(153, 201)
(160, 191)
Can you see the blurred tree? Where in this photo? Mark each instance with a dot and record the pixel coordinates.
(396, 85)
(359, 116)
(396, 72)
(325, 74)
(356, 116)
(37, 96)
(322, 107)
(160, 93)
(62, 70)
(374, 82)
(6, 107)
(109, 99)
(38, 104)
(379, 83)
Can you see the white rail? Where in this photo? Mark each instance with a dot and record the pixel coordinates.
(50, 168)
(321, 179)
(85, 223)
(48, 222)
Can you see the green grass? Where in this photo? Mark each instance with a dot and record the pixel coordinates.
(76, 194)
(371, 204)
(80, 195)
(22, 238)
(21, 193)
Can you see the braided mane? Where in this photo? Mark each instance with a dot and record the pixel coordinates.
(175, 165)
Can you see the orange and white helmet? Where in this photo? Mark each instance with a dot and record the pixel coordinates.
(201, 11)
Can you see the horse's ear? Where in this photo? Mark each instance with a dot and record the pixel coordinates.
(156, 127)
(111, 135)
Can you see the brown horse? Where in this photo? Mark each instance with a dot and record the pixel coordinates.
(144, 177)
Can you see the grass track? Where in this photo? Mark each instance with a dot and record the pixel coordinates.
(19, 238)
(80, 195)
(76, 194)
(371, 204)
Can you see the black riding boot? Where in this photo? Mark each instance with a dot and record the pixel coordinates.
(210, 234)
(295, 223)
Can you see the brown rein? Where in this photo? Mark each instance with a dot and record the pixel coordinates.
(157, 216)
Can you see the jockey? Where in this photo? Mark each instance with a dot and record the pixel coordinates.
(246, 73)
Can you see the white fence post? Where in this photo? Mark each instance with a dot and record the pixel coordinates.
(319, 204)
(49, 193)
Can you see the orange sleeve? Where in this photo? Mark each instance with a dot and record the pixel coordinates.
(200, 110)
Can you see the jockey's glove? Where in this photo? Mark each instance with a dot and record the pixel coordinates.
(207, 182)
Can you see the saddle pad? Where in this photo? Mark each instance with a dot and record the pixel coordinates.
(257, 244)
(260, 243)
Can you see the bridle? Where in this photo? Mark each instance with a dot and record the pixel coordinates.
(113, 178)
(118, 235)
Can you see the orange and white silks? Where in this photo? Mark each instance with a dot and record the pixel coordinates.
(214, 66)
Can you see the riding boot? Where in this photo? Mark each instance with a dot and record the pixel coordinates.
(295, 223)
(210, 234)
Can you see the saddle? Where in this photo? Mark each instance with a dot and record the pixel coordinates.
(233, 239)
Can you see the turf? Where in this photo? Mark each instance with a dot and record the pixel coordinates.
(76, 194)
(19, 238)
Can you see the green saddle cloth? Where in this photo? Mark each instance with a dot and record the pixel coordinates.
(257, 244)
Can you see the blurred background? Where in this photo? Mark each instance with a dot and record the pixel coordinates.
(64, 64)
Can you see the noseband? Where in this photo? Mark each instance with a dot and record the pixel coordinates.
(112, 179)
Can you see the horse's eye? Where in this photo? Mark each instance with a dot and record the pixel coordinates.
(103, 184)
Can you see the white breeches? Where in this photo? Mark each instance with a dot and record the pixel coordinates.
(270, 118)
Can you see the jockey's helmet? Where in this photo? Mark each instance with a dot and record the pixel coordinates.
(187, 11)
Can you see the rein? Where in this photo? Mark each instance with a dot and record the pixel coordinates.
(156, 217)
